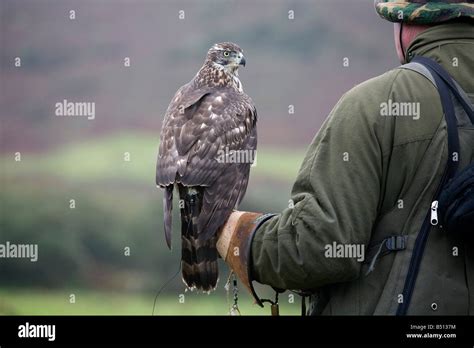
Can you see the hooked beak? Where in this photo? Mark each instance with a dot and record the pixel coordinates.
(242, 61)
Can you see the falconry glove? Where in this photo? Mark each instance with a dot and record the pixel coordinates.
(234, 245)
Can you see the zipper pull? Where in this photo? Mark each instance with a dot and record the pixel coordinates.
(434, 213)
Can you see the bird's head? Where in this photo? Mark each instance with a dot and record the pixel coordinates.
(226, 55)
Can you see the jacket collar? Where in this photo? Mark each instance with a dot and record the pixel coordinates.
(439, 35)
(451, 45)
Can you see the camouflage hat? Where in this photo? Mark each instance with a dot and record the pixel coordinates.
(424, 11)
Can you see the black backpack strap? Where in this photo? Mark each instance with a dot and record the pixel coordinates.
(397, 243)
(453, 85)
(445, 86)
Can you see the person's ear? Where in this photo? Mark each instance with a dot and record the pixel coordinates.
(397, 35)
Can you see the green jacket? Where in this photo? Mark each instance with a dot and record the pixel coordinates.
(366, 177)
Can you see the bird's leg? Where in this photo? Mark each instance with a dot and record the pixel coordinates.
(192, 199)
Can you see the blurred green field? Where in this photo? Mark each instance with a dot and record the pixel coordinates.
(103, 159)
(47, 302)
(117, 206)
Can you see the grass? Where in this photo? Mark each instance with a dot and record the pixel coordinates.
(47, 302)
(38, 189)
(103, 159)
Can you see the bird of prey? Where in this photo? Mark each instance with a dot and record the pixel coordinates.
(208, 117)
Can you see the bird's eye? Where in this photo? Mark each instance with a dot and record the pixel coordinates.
(226, 53)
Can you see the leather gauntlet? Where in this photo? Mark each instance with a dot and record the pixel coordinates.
(234, 245)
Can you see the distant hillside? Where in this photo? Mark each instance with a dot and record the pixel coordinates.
(297, 62)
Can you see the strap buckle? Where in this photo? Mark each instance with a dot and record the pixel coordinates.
(386, 246)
